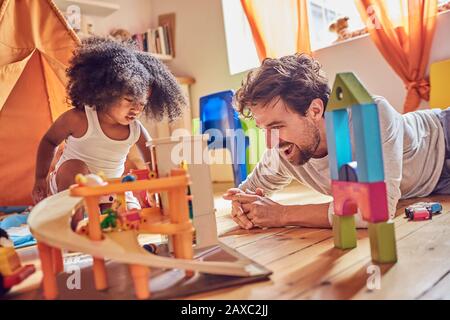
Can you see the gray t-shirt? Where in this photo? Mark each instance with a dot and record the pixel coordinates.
(413, 152)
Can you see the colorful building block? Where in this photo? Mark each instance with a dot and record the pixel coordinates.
(357, 185)
(347, 91)
(370, 198)
(348, 172)
(382, 242)
(368, 151)
(344, 232)
(338, 133)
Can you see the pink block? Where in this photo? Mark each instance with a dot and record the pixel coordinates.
(369, 197)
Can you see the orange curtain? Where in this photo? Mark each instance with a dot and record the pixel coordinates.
(278, 27)
(403, 32)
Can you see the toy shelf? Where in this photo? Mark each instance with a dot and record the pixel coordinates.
(89, 7)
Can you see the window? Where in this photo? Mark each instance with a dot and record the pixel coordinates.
(242, 55)
(241, 49)
(324, 12)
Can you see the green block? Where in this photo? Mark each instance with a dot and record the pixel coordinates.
(382, 242)
(347, 91)
(196, 126)
(344, 232)
(257, 143)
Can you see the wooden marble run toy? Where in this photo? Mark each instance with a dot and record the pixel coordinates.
(113, 234)
(358, 185)
(189, 151)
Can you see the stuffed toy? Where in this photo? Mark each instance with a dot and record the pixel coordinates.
(341, 28)
(120, 35)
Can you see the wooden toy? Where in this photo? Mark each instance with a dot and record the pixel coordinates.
(337, 122)
(50, 220)
(357, 185)
(345, 232)
(422, 210)
(149, 200)
(382, 242)
(348, 172)
(12, 272)
(369, 155)
(192, 151)
(370, 198)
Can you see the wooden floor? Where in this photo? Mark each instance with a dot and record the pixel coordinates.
(305, 264)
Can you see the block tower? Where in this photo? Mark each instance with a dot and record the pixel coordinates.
(357, 183)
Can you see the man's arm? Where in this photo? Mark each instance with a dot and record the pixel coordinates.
(269, 174)
(266, 178)
(392, 131)
(309, 215)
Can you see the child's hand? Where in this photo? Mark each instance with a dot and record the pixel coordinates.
(40, 190)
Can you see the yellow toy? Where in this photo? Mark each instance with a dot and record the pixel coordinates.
(439, 80)
(12, 272)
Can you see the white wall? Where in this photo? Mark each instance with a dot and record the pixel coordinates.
(133, 15)
(201, 52)
(200, 45)
(362, 57)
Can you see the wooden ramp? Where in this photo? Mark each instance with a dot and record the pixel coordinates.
(49, 222)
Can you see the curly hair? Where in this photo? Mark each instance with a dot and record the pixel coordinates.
(297, 79)
(166, 95)
(103, 70)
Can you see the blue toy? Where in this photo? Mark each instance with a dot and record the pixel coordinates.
(129, 178)
(217, 115)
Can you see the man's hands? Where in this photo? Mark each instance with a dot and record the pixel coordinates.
(253, 209)
(237, 212)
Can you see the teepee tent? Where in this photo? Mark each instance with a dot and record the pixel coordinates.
(35, 47)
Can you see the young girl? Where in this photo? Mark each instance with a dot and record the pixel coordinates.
(110, 85)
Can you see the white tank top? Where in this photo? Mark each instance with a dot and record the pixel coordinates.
(98, 151)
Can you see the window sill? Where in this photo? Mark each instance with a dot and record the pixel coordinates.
(443, 9)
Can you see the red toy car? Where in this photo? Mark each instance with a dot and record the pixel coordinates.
(423, 210)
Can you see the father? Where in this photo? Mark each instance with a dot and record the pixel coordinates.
(287, 97)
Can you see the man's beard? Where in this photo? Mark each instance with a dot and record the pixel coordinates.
(304, 153)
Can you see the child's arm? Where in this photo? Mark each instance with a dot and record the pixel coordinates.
(141, 144)
(56, 134)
